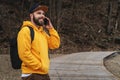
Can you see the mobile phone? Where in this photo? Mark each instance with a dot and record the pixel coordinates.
(46, 22)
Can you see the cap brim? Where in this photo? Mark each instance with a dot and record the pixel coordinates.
(42, 7)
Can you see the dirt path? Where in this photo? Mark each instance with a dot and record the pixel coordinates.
(80, 66)
(77, 66)
(6, 71)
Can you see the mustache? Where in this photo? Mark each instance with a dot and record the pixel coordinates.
(41, 18)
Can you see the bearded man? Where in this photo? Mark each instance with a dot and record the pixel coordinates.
(34, 56)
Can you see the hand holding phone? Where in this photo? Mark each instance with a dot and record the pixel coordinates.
(46, 22)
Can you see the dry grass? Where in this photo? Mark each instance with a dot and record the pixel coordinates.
(112, 63)
(6, 71)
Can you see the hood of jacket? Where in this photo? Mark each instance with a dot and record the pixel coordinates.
(30, 24)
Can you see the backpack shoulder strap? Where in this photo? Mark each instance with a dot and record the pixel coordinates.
(31, 33)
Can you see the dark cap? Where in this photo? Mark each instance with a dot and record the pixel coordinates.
(38, 6)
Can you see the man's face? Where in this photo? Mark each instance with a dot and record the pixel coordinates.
(38, 17)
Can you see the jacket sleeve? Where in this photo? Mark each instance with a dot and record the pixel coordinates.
(24, 49)
(53, 39)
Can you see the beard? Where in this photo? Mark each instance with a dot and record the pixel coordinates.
(37, 22)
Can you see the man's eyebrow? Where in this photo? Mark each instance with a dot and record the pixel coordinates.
(41, 12)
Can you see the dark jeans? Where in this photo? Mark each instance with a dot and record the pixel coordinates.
(37, 77)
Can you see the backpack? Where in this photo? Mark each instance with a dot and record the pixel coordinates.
(15, 60)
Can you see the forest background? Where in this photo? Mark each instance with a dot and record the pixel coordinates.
(83, 25)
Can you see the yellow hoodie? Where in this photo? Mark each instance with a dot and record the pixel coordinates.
(34, 55)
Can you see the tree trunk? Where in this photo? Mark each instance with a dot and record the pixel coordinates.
(112, 16)
(59, 10)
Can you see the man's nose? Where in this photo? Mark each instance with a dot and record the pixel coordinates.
(42, 16)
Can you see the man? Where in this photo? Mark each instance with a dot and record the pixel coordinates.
(34, 55)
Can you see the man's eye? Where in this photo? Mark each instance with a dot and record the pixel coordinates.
(41, 13)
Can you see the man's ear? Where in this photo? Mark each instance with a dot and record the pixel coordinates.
(31, 15)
